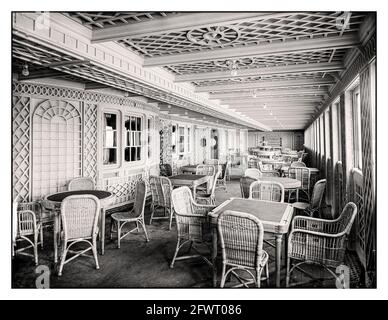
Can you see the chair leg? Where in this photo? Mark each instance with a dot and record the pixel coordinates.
(94, 250)
(111, 228)
(118, 234)
(41, 236)
(145, 230)
(223, 277)
(267, 274)
(171, 214)
(63, 258)
(288, 273)
(175, 254)
(36, 248)
(152, 212)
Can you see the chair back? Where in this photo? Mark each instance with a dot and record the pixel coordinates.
(298, 164)
(245, 183)
(302, 174)
(26, 223)
(81, 183)
(214, 185)
(80, 215)
(343, 224)
(182, 201)
(161, 188)
(140, 198)
(241, 238)
(317, 196)
(165, 170)
(253, 173)
(206, 170)
(213, 162)
(267, 190)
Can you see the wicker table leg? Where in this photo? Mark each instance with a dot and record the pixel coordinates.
(279, 238)
(214, 255)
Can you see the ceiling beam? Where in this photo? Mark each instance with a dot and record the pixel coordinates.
(95, 85)
(266, 84)
(273, 100)
(265, 71)
(281, 47)
(44, 73)
(176, 23)
(65, 63)
(278, 104)
(269, 93)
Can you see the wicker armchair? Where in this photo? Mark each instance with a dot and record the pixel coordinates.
(165, 170)
(319, 241)
(298, 164)
(209, 198)
(221, 181)
(267, 172)
(80, 215)
(81, 183)
(266, 190)
(206, 170)
(245, 183)
(303, 175)
(161, 189)
(253, 173)
(120, 219)
(192, 223)
(25, 226)
(241, 242)
(316, 199)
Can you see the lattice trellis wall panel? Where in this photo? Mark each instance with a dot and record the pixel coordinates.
(90, 141)
(21, 148)
(57, 146)
(165, 141)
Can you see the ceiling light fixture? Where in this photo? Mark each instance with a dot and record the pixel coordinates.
(25, 71)
(233, 66)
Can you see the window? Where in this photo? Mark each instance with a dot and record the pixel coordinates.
(357, 127)
(181, 139)
(132, 131)
(149, 137)
(110, 139)
(188, 139)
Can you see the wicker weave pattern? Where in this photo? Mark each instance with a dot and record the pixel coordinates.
(267, 171)
(298, 164)
(221, 182)
(245, 183)
(165, 170)
(191, 218)
(266, 190)
(303, 175)
(80, 216)
(241, 241)
(81, 183)
(161, 189)
(209, 198)
(321, 241)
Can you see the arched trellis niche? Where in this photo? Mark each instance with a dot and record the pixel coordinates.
(56, 146)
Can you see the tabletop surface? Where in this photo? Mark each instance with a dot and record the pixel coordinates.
(286, 182)
(273, 212)
(187, 177)
(314, 170)
(58, 197)
(190, 166)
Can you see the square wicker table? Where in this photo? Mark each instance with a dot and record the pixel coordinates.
(53, 202)
(190, 180)
(275, 216)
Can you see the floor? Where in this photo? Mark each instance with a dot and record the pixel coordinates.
(146, 264)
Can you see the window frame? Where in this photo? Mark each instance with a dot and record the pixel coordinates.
(142, 139)
(356, 123)
(118, 139)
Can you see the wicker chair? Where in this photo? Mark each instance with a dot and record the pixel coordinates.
(161, 189)
(318, 241)
(192, 223)
(209, 198)
(241, 242)
(253, 173)
(165, 170)
(26, 225)
(206, 170)
(221, 181)
(81, 183)
(267, 172)
(315, 204)
(79, 215)
(245, 183)
(298, 164)
(120, 219)
(37, 209)
(303, 175)
(266, 190)
(213, 162)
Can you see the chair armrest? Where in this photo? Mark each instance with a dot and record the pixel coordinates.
(203, 208)
(314, 233)
(310, 223)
